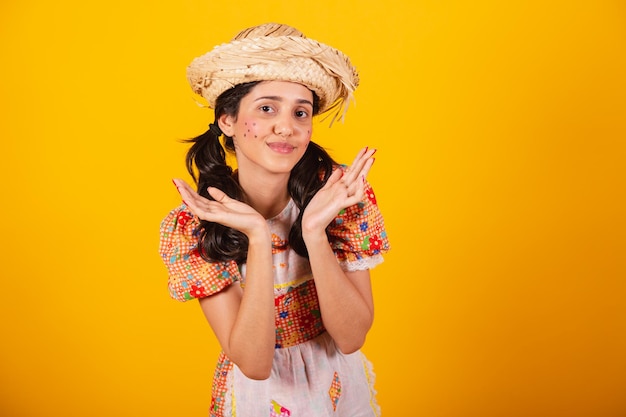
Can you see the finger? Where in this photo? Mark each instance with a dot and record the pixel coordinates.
(218, 195)
(180, 184)
(358, 172)
(360, 154)
(186, 192)
(360, 161)
(356, 187)
(355, 162)
(366, 168)
(334, 177)
(197, 204)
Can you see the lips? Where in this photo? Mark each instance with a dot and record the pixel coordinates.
(281, 147)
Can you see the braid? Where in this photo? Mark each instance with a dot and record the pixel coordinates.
(216, 241)
(307, 177)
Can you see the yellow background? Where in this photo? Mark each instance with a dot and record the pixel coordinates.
(500, 130)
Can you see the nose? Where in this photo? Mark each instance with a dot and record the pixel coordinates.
(283, 127)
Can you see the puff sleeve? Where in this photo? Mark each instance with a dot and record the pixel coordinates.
(190, 276)
(357, 235)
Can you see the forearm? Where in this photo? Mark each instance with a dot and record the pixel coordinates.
(253, 336)
(346, 312)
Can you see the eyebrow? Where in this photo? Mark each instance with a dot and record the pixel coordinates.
(279, 98)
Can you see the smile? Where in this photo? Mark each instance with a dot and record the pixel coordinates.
(281, 147)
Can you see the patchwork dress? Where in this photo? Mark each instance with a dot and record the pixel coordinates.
(310, 376)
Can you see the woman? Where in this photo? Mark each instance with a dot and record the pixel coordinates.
(278, 251)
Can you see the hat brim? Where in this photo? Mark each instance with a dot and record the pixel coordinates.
(323, 69)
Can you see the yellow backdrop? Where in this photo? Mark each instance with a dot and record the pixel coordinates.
(500, 130)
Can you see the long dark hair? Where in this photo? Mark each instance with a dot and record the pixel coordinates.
(217, 242)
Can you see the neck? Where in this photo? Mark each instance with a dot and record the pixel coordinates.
(267, 195)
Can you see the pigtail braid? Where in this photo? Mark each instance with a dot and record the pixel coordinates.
(207, 155)
(307, 177)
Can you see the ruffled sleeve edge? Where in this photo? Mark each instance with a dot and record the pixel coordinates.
(362, 264)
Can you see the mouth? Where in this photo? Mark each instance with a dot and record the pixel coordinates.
(281, 147)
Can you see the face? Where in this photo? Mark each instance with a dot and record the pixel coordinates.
(273, 127)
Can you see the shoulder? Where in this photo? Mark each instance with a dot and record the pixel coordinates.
(189, 275)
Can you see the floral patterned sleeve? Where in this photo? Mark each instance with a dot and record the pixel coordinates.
(358, 235)
(190, 276)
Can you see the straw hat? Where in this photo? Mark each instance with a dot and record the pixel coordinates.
(279, 52)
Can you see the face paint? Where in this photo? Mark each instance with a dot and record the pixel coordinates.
(275, 124)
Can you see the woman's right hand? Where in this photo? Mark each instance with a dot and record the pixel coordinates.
(224, 210)
(243, 321)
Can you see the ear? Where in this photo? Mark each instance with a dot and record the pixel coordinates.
(227, 124)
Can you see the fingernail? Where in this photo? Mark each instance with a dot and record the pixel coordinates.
(374, 151)
(367, 148)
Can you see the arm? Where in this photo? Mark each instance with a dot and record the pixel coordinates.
(242, 320)
(345, 298)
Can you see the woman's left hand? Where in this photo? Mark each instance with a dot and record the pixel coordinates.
(344, 188)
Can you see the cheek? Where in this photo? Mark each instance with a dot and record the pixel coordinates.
(251, 128)
(307, 140)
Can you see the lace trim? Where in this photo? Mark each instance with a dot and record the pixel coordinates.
(371, 379)
(362, 264)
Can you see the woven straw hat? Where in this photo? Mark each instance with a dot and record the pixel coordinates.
(276, 52)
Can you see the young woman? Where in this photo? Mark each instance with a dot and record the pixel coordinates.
(278, 251)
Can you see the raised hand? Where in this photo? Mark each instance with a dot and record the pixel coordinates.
(343, 189)
(224, 210)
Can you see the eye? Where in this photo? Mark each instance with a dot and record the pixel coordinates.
(301, 114)
(266, 108)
